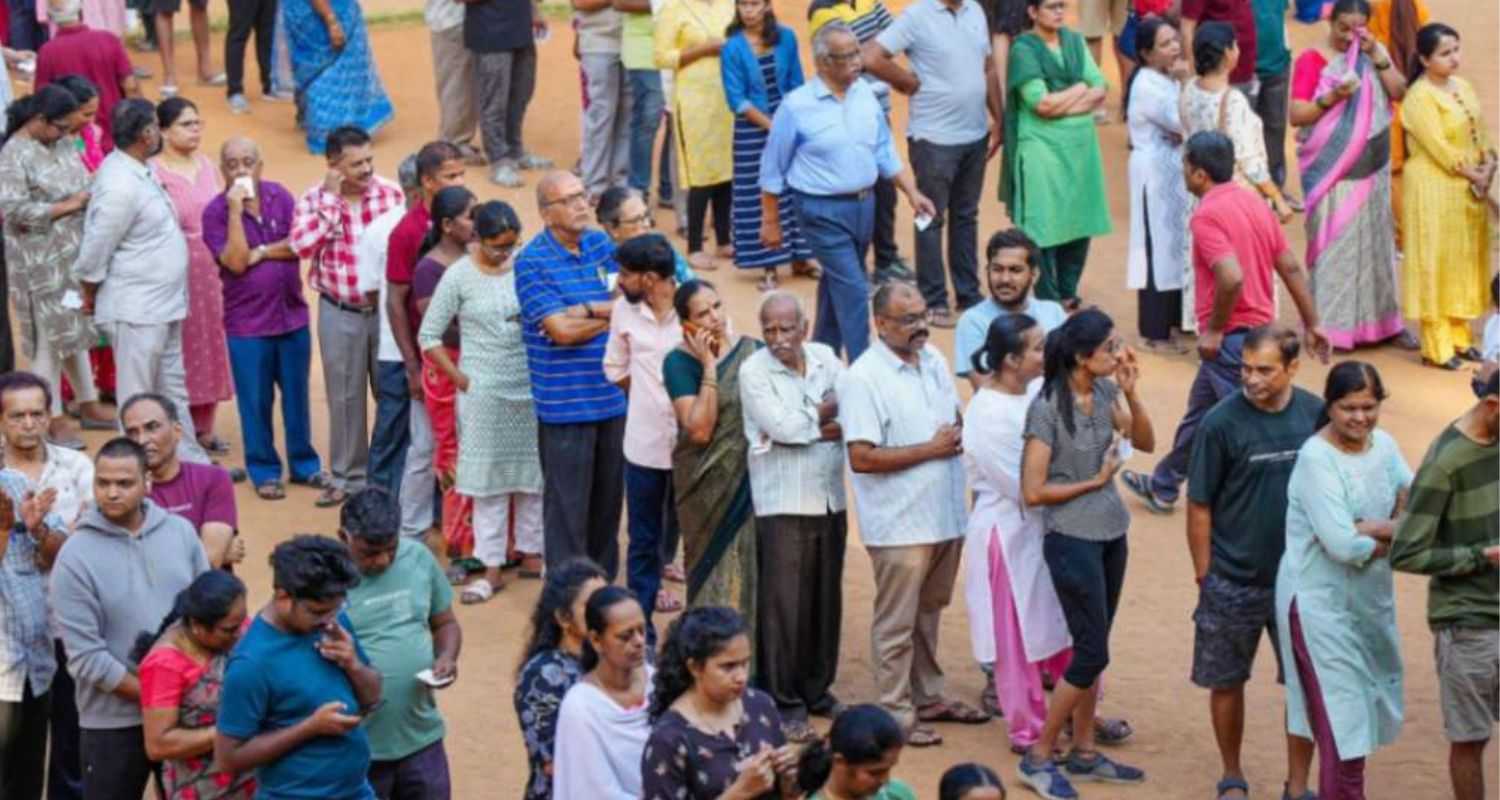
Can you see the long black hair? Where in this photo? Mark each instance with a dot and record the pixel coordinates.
(1067, 347)
(862, 734)
(960, 779)
(696, 636)
(206, 601)
(1211, 41)
(1428, 40)
(559, 592)
(494, 217)
(1006, 337)
(596, 618)
(52, 103)
(1346, 378)
(1145, 40)
(1341, 7)
(447, 205)
(770, 32)
(168, 110)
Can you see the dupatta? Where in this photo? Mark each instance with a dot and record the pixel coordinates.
(1031, 59)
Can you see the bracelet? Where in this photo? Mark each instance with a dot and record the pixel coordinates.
(1383, 67)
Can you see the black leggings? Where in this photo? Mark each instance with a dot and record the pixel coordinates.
(699, 197)
(1088, 576)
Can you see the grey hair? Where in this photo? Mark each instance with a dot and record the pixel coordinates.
(820, 39)
(65, 10)
(406, 174)
(887, 291)
(778, 297)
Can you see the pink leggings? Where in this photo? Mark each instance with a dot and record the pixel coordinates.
(1018, 683)
(1337, 780)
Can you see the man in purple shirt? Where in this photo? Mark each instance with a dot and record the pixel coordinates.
(265, 317)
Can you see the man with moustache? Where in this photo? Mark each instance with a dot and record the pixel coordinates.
(902, 426)
(1012, 262)
(791, 408)
(133, 267)
(643, 328)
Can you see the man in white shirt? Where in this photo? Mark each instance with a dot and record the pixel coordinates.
(1012, 262)
(791, 407)
(900, 416)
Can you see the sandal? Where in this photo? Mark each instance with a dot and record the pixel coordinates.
(1139, 484)
(215, 446)
(1222, 791)
(317, 480)
(1467, 354)
(271, 490)
(797, 731)
(673, 573)
(989, 699)
(531, 566)
(807, 269)
(768, 283)
(952, 711)
(667, 602)
(1107, 730)
(1452, 365)
(478, 591)
(1286, 794)
(331, 497)
(924, 736)
(702, 262)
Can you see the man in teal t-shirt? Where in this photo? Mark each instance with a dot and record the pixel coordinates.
(402, 611)
(1273, 72)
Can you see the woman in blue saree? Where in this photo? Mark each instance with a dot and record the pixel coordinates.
(334, 69)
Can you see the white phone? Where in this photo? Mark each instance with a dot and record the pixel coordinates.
(249, 184)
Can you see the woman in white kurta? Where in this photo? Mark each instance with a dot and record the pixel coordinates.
(1159, 201)
(1335, 607)
(1013, 608)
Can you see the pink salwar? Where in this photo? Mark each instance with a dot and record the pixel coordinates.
(1018, 682)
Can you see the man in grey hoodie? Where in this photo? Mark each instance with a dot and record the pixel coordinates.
(118, 575)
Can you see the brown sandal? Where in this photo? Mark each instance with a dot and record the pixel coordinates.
(924, 736)
(952, 711)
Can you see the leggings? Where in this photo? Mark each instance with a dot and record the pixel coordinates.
(1088, 576)
(699, 197)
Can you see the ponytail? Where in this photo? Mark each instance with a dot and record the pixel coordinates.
(863, 734)
(1067, 347)
(1429, 38)
(52, 102)
(1006, 337)
(447, 205)
(696, 636)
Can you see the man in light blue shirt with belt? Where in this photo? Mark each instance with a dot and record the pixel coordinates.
(829, 143)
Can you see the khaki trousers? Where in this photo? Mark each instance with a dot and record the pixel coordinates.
(913, 584)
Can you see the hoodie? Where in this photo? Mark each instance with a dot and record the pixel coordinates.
(108, 586)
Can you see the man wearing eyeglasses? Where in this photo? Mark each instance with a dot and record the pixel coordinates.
(562, 281)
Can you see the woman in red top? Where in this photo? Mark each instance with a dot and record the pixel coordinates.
(180, 676)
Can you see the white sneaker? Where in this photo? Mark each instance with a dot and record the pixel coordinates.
(238, 104)
(282, 96)
(531, 161)
(505, 174)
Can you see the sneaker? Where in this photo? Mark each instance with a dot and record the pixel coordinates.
(279, 96)
(1139, 484)
(217, 79)
(531, 161)
(896, 269)
(1045, 779)
(141, 73)
(1100, 768)
(238, 104)
(505, 174)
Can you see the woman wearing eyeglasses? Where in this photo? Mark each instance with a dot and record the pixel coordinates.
(498, 464)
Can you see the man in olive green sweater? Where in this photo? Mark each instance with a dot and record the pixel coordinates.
(1451, 531)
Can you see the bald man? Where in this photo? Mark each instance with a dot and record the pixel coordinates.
(265, 316)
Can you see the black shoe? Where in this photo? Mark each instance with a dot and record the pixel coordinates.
(897, 268)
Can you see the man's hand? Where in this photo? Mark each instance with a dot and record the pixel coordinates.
(538, 27)
(921, 206)
(333, 182)
(337, 645)
(330, 720)
(237, 195)
(414, 382)
(831, 431)
(445, 667)
(770, 232)
(948, 441)
(997, 138)
(1318, 344)
(336, 34)
(77, 202)
(1209, 343)
(236, 552)
(462, 382)
(34, 508)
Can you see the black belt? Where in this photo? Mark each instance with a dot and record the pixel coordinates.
(342, 306)
(858, 196)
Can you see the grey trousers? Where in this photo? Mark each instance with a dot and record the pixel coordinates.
(800, 602)
(606, 123)
(148, 358)
(418, 482)
(347, 343)
(1271, 103)
(453, 72)
(506, 80)
(952, 176)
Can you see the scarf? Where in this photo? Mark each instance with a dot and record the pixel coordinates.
(1030, 59)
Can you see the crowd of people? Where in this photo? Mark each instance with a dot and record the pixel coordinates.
(532, 387)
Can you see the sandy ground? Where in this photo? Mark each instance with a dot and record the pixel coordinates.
(1148, 679)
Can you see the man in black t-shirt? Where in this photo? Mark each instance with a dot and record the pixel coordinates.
(1241, 463)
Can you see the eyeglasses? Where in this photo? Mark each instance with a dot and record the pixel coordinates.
(567, 200)
(644, 219)
(843, 58)
(906, 320)
(499, 252)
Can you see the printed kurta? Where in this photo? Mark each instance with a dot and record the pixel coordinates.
(204, 351)
(703, 126)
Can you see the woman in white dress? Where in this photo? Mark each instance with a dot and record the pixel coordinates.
(1159, 201)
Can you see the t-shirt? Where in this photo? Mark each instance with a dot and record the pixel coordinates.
(492, 26)
(95, 54)
(894, 790)
(391, 613)
(201, 493)
(1237, 13)
(1272, 57)
(1242, 459)
(277, 679)
(974, 327)
(403, 252)
(1077, 456)
(424, 283)
(1232, 221)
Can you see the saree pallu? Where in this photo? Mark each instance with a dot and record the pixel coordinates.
(712, 485)
(334, 87)
(195, 778)
(1346, 179)
(441, 398)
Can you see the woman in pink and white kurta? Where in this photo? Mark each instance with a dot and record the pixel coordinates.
(191, 180)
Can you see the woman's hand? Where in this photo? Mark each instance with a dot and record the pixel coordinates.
(461, 381)
(784, 762)
(699, 344)
(1111, 465)
(1283, 211)
(757, 776)
(1127, 371)
(336, 34)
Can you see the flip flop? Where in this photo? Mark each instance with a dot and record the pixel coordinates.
(673, 573)
(331, 497)
(476, 592)
(807, 269)
(924, 736)
(271, 490)
(317, 480)
(952, 711)
(1229, 785)
(667, 602)
(531, 566)
(768, 283)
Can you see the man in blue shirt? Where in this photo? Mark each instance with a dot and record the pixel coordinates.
(561, 281)
(829, 143)
(298, 685)
(1012, 262)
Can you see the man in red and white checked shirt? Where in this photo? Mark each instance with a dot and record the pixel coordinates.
(327, 223)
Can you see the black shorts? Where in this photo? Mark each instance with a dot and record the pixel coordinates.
(1228, 622)
(172, 6)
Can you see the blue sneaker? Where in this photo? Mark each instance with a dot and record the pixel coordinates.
(1046, 780)
(1101, 769)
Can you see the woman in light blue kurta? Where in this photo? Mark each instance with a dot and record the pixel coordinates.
(1346, 489)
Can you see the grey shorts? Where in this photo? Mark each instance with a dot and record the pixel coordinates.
(1468, 666)
(1227, 626)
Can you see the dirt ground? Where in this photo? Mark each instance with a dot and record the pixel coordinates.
(1148, 679)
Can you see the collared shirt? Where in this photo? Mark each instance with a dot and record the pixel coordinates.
(26, 655)
(324, 229)
(370, 258)
(974, 327)
(822, 145)
(98, 55)
(133, 246)
(888, 403)
(948, 50)
(567, 381)
(638, 344)
(266, 299)
(442, 15)
(71, 474)
(792, 469)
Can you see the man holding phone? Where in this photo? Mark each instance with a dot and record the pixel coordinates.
(298, 685)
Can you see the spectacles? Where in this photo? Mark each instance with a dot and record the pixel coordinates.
(843, 58)
(499, 252)
(644, 219)
(907, 320)
(567, 200)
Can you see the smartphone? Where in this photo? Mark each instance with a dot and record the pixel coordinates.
(249, 184)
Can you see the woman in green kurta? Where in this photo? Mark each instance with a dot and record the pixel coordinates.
(710, 471)
(1051, 175)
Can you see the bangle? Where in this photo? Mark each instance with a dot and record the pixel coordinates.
(1383, 67)
(1318, 101)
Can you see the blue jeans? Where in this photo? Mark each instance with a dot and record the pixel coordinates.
(838, 231)
(645, 119)
(261, 365)
(651, 522)
(1215, 380)
(392, 426)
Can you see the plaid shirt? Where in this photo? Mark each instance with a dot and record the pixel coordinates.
(25, 643)
(325, 228)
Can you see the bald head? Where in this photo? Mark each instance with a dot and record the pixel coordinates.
(555, 184)
(239, 157)
(65, 11)
(239, 147)
(561, 198)
(780, 302)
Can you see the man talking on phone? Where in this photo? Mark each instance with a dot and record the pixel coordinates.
(298, 685)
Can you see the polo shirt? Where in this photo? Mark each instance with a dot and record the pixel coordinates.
(974, 327)
(1233, 221)
(822, 145)
(948, 50)
(94, 54)
(266, 299)
(1238, 14)
(567, 381)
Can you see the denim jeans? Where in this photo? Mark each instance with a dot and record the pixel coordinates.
(261, 365)
(838, 232)
(1215, 380)
(1088, 576)
(645, 120)
(392, 432)
(651, 523)
(952, 177)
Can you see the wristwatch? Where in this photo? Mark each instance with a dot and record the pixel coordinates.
(259, 253)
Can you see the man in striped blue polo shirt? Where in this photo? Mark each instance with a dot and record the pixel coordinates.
(562, 281)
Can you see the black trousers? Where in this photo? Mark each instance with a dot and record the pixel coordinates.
(115, 766)
(65, 764)
(23, 746)
(699, 197)
(246, 17)
(1158, 311)
(885, 224)
(583, 468)
(7, 347)
(800, 605)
